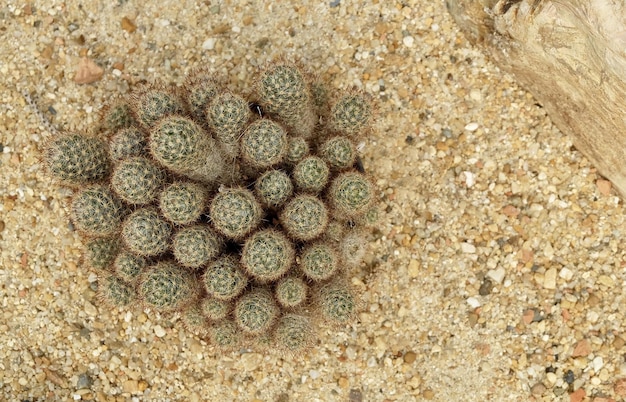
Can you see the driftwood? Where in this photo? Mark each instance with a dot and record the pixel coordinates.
(571, 55)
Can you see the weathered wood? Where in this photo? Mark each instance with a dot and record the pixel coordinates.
(571, 55)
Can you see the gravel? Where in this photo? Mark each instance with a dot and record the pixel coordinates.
(473, 181)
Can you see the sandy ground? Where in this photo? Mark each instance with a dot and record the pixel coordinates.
(495, 273)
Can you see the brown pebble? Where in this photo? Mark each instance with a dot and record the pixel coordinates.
(88, 72)
(538, 389)
(604, 186)
(582, 348)
(428, 394)
(528, 316)
(620, 387)
(409, 357)
(618, 342)
(355, 395)
(118, 66)
(54, 378)
(128, 25)
(220, 29)
(578, 395)
(510, 211)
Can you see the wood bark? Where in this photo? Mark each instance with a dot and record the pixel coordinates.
(571, 55)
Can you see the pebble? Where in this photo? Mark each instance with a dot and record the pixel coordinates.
(250, 361)
(597, 363)
(471, 127)
(549, 279)
(159, 331)
(90, 309)
(538, 389)
(84, 381)
(88, 72)
(473, 302)
(497, 275)
(468, 248)
(209, 44)
(414, 269)
(566, 273)
(409, 357)
(582, 348)
(408, 41)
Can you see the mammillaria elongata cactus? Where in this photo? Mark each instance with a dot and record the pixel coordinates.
(240, 213)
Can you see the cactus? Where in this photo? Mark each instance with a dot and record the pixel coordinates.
(153, 104)
(166, 287)
(183, 202)
(291, 292)
(284, 92)
(273, 188)
(293, 332)
(128, 266)
(101, 252)
(255, 312)
(76, 160)
(127, 143)
(227, 116)
(311, 174)
(194, 320)
(191, 203)
(115, 291)
(196, 245)
(182, 146)
(351, 114)
(319, 261)
(137, 180)
(118, 116)
(267, 255)
(297, 149)
(304, 217)
(339, 152)
(224, 279)
(201, 88)
(145, 233)
(352, 248)
(235, 212)
(214, 309)
(351, 194)
(337, 303)
(225, 335)
(263, 144)
(96, 211)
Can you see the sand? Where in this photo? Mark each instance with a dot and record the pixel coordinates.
(494, 274)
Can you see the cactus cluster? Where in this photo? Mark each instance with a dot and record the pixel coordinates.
(243, 214)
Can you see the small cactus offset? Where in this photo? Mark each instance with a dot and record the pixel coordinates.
(243, 213)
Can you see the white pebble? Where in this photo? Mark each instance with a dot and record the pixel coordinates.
(468, 248)
(159, 331)
(314, 374)
(470, 178)
(209, 44)
(408, 41)
(473, 302)
(471, 127)
(497, 275)
(597, 363)
(566, 273)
